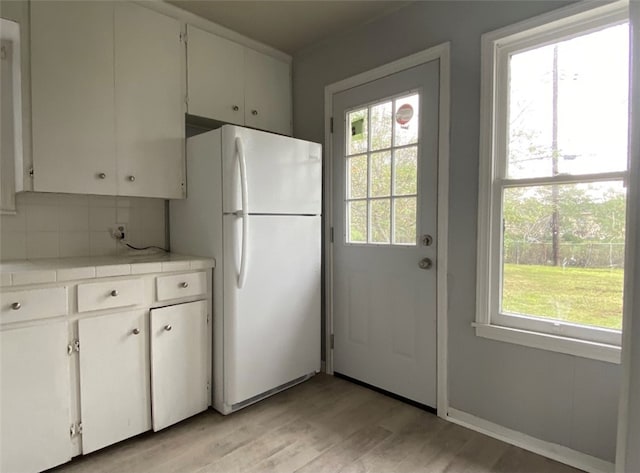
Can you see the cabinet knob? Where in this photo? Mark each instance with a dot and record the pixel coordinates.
(16, 305)
(131, 178)
(235, 108)
(168, 328)
(114, 293)
(102, 175)
(135, 331)
(184, 284)
(254, 112)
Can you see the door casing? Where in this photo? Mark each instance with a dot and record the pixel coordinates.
(441, 52)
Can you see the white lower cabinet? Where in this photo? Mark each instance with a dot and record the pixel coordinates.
(179, 362)
(114, 378)
(35, 400)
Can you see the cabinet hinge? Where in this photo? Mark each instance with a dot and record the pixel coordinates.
(331, 234)
(75, 430)
(331, 125)
(208, 386)
(72, 347)
(183, 37)
(207, 319)
(332, 341)
(186, 99)
(31, 171)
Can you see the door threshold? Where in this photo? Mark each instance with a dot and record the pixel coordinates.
(424, 407)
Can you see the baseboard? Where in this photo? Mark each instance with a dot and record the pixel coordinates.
(550, 450)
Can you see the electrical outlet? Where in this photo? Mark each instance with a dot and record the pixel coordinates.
(119, 232)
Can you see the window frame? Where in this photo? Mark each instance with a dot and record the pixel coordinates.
(497, 47)
(392, 196)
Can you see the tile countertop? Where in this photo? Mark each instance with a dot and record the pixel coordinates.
(46, 270)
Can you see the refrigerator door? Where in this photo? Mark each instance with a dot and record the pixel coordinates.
(283, 175)
(272, 323)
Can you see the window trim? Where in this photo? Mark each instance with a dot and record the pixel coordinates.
(496, 47)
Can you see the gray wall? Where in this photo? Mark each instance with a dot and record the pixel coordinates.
(558, 398)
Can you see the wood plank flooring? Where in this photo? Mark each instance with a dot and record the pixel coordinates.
(323, 425)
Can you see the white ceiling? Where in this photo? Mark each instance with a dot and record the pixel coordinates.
(290, 26)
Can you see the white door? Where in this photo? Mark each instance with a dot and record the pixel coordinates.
(72, 64)
(272, 316)
(149, 98)
(114, 378)
(180, 354)
(385, 200)
(35, 397)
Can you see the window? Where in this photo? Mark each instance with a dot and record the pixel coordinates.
(381, 192)
(554, 165)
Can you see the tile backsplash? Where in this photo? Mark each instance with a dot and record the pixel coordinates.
(60, 225)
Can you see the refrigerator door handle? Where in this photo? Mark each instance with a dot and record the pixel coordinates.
(244, 256)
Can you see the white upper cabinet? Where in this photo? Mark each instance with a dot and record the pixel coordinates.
(73, 97)
(232, 83)
(267, 93)
(215, 84)
(150, 105)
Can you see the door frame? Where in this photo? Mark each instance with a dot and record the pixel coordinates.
(442, 52)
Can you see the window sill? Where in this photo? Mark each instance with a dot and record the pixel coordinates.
(543, 341)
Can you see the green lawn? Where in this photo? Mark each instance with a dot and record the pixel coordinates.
(580, 295)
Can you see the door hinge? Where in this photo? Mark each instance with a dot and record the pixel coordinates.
(186, 99)
(332, 341)
(74, 346)
(331, 125)
(75, 430)
(331, 234)
(31, 171)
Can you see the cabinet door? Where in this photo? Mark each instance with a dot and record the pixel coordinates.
(114, 378)
(215, 77)
(267, 93)
(180, 355)
(73, 97)
(150, 102)
(34, 398)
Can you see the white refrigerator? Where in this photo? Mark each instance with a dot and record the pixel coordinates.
(254, 204)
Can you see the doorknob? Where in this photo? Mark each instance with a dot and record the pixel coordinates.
(425, 263)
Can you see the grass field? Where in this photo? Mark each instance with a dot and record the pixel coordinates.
(579, 295)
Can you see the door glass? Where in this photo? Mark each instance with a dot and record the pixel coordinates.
(382, 171)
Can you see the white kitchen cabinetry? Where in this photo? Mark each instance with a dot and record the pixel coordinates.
(73, 97)
(235, 84)
(150, 103)
(108, 93)
(179, 362)
(114, 378)
(35, 400)
(215, 76)
(267, 93)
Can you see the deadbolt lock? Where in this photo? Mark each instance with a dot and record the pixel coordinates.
(427, 240)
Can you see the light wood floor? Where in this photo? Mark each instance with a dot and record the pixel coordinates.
(323, 425)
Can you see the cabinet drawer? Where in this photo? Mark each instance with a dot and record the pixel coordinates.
(17, 306)
(107, 295)
(181, 285)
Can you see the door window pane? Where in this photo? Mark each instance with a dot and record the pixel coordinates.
(406, 171)
(563, 252)
(356, 132)
(407, 120)
(380, 221)
(404, 225)
(568, 113)
(357, 221)
(381, 126)
(381, 174)
(357, 177)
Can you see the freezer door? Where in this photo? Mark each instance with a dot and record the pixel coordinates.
(271, 324)
(283, 175)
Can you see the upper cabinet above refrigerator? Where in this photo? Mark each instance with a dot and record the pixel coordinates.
(256, 87)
